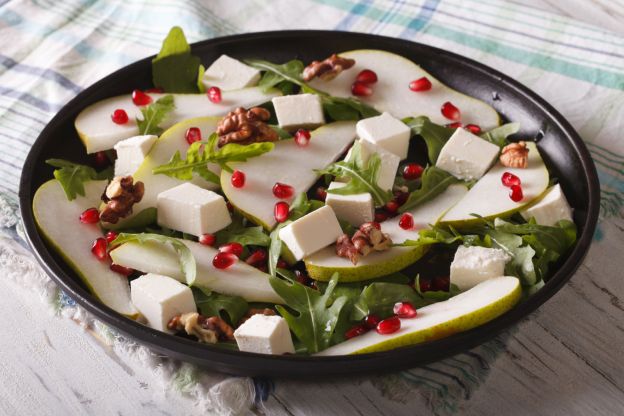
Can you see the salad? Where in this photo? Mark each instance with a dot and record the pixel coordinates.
(347, 205)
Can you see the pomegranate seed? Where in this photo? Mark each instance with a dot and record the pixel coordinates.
(407, 221)
(281, 211)
(366, 76)
(192, 135)
(389, 325)
(361, 89)
(302, 137)
(375, 224)
(154, 91)
(412, 171)
(392, 207)
(420, 84)
(424, 284)
(140, 98)
(321, 193)
(281, 264)
(224, 260)
(233, 248)
(509, 179)
(125, 271)
(283, 191)
(238, 179)
(119, 116)
(258, 256)
(404, 310)
(473, 128)
(229, 206)
(214, 95)
(262, 267)
(207, 239)
(455, 125)
(110, 236)
(302, 278)
(441, 283)
(515, 193)
(371, 321)
(356, 331)
(400, 197)
(380, 217)
(99, 248)
(101, 159)
(90, 216)
(450, 111)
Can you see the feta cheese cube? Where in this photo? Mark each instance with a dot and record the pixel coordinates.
(551, 208)
(131, 152)
(159, 298)
(473, 265)
(230, 74)
(298, 111)
(467, 156)
(356, 209)
(386, 132)
(389, 162)
(312, 232)
(264, 335)
(192, 210)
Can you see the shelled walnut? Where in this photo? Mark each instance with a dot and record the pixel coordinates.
(243, 126)
(515, 155)
(208, 330)
(120, 195)
(366, 239)
(327, 69)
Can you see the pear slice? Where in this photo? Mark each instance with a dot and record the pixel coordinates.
(240, 279)
(57, 218)
(391, 92)
(98, 132)
(287, 163)
(476, 306)
(489, 198)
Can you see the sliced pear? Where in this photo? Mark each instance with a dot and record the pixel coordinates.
(57, 218)
(391, 92)
(98, 132)
(489, 198)
(287, 163)
(476, 306)
(238, 280)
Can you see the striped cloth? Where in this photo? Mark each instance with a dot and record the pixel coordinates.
(51, 49)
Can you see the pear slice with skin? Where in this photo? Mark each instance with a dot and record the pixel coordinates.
(57, 218)
(98, 132)
(287, 163)
(240, 279)
(476, 306)
(391, 92)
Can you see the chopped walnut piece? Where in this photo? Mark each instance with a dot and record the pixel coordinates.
(367, 238)
(327, 69)
(255, 311)
(191, 324)
(515, 155)
(120, 195)
(243, 126)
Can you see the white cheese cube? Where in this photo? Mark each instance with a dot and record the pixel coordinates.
(230, 74)
(389, 162)
(264, 335)
(473, 265)
(311, 232)
(298, 111)
(356, 209)
(131, 152)
(551, 208)
(386, 132)
(159, 298)
(192, 210)
(467, 156)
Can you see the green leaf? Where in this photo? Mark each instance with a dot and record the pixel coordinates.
(275, 248)
(277, 73)
(436, 295)
(302, 206)
(245, 236)
(174, 69)
(498, 135)
(434, 181)
(338, 108)
(72, 176)
(200, 79)
(379, 298)
(434, 135)
(283, 134)
(521, 264)
(154, 114)
(230, 308)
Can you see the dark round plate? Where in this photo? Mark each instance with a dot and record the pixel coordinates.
(563, 149)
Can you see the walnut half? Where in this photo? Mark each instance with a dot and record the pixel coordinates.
(120, 195)
(327, 69)
(367, 238)
(243, 126)
(515, 155)
(207, 330)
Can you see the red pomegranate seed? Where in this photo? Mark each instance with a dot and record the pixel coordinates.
(101, 159)
(371, 321)
(392, 207)
(450, 111)
(119, 116)
(283, 191)
(233, 248)
(509, 179)
(515, 193)
(192, 135)
(356, 331)
(154, 91)
(455, 125)
(361, 89)
(375, 224)
(258, 256)
(229, 206)
(281, 264)
(424, 285)
(321, 193)
(420, 84)
(404, 310)
(90, 216)
(442, 283)
(473, 128)
(366, 76)
(407, 221)
(125, 271)
(110, 236)
(380, 217)
(224, 260)
(401, 197)
(302, 278)
(389, 325)
(262, 267)
(302, 137)
(214, 94)
(99, 248)
(140, 98)
(238, 179)
(280, 211)
(412, 171)
(207, 239)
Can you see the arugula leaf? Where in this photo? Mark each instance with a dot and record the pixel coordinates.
(434, 135)
(275, 73)
(72, 176)
(275, 248)
(185, 257)
(436, 295)
(154, 114)
(433, 181)
(245, 236)
(338, 108)
(174, 69)
(217, 304)
(521, 263)
(379, 298)
(498, 135)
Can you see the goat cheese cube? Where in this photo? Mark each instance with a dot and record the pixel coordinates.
(298, 111)
(552, 208)
(356, 209)
(131, 152)
(159, 298)
(230, 74)
(389, 162)
(192, 210)
(467, 156)
(312, 232)
(264, 335)
(386, 132)
(473, 265)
